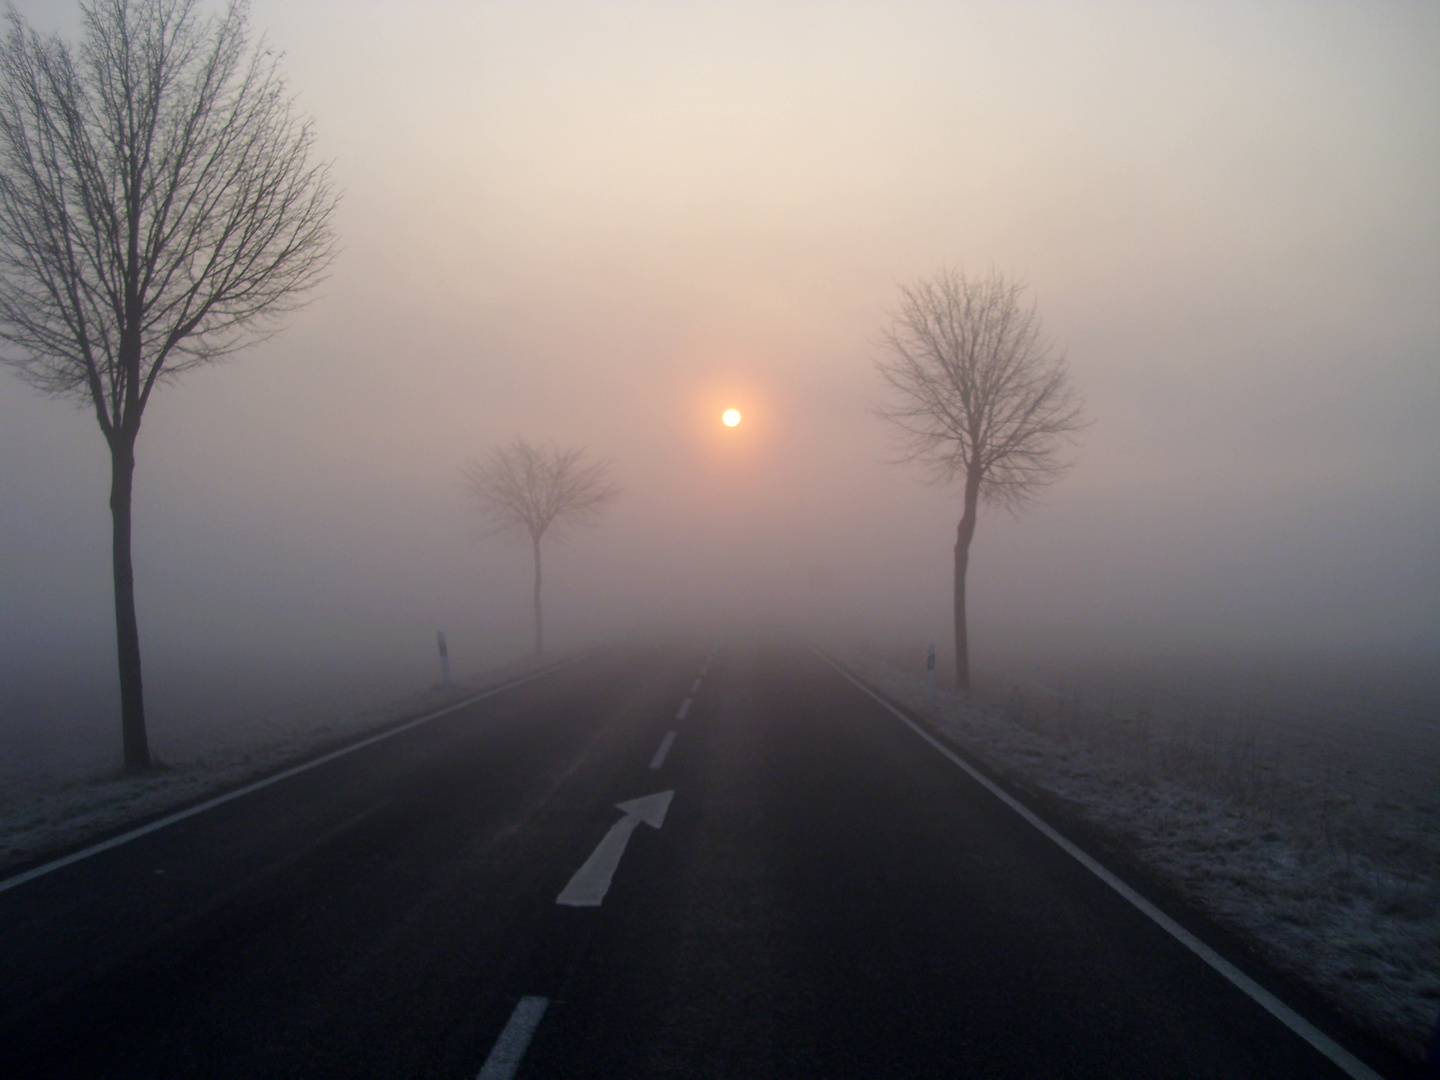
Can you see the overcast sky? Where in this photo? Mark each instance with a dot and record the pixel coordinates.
(603, 223)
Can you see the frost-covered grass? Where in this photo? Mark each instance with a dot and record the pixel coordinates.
(1322, 851)
(49, 803)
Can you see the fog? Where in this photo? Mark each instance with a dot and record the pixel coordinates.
(603, 224)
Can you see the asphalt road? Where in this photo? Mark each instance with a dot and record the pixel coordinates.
(825, 895)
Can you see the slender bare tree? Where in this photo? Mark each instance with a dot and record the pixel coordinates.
(533, 490)
(981, 397)
(158, 210)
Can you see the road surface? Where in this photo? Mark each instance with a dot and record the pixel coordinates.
(652, 862)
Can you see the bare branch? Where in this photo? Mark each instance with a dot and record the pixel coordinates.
(536, 488)
(158, 209)
(979, 393)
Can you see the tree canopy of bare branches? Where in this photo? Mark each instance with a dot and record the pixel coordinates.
(158, 210)
(538, 489)
(979, 396)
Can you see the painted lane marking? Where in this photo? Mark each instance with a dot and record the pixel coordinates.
(510, 1047)
(220, 800)
(665, 744)
(684, 708)
(1338, 1055)
(694, 686)
(592, 881)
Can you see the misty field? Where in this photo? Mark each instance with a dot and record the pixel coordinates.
(1297, 801)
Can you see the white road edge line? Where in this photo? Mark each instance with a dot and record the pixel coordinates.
(509, 1049)
(220, 800)
(684, 708)
(1338, 1055)
(665, 744)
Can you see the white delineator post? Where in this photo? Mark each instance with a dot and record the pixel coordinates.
(444, 658)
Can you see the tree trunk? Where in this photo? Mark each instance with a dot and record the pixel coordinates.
(539, 632)
(964, 533)
(127, 630)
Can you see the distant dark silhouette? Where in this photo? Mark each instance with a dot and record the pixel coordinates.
(980, 396)
(533, 489)
(157, 211)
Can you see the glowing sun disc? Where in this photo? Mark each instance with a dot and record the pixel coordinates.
(730, 417)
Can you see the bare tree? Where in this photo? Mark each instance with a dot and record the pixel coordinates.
(980, 397)
(533, 489)
(157, 211)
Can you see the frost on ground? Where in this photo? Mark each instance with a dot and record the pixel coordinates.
(44, 810)
(1332, 871)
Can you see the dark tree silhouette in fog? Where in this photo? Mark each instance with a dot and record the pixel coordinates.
(980, 396)
(157, 211)
(533, 489)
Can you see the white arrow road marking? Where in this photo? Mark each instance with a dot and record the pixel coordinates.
(659, 758)
(509, 1049)
(592, 881)
(684, 708)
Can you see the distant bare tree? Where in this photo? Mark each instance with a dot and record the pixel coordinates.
(531, 489)
(981, 397)
(157, 211)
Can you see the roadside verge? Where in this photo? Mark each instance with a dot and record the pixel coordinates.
(87, 819)
(944, 724)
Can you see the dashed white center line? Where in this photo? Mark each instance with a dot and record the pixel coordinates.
(695, 686)
(665, 744)
(509, 1049)
(684, 708)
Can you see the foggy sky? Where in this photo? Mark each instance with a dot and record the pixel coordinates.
(604, 223)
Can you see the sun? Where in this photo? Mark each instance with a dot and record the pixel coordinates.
(730, 417)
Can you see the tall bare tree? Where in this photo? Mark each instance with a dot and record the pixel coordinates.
(532, 489)
(981, 397)
(158, 210)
